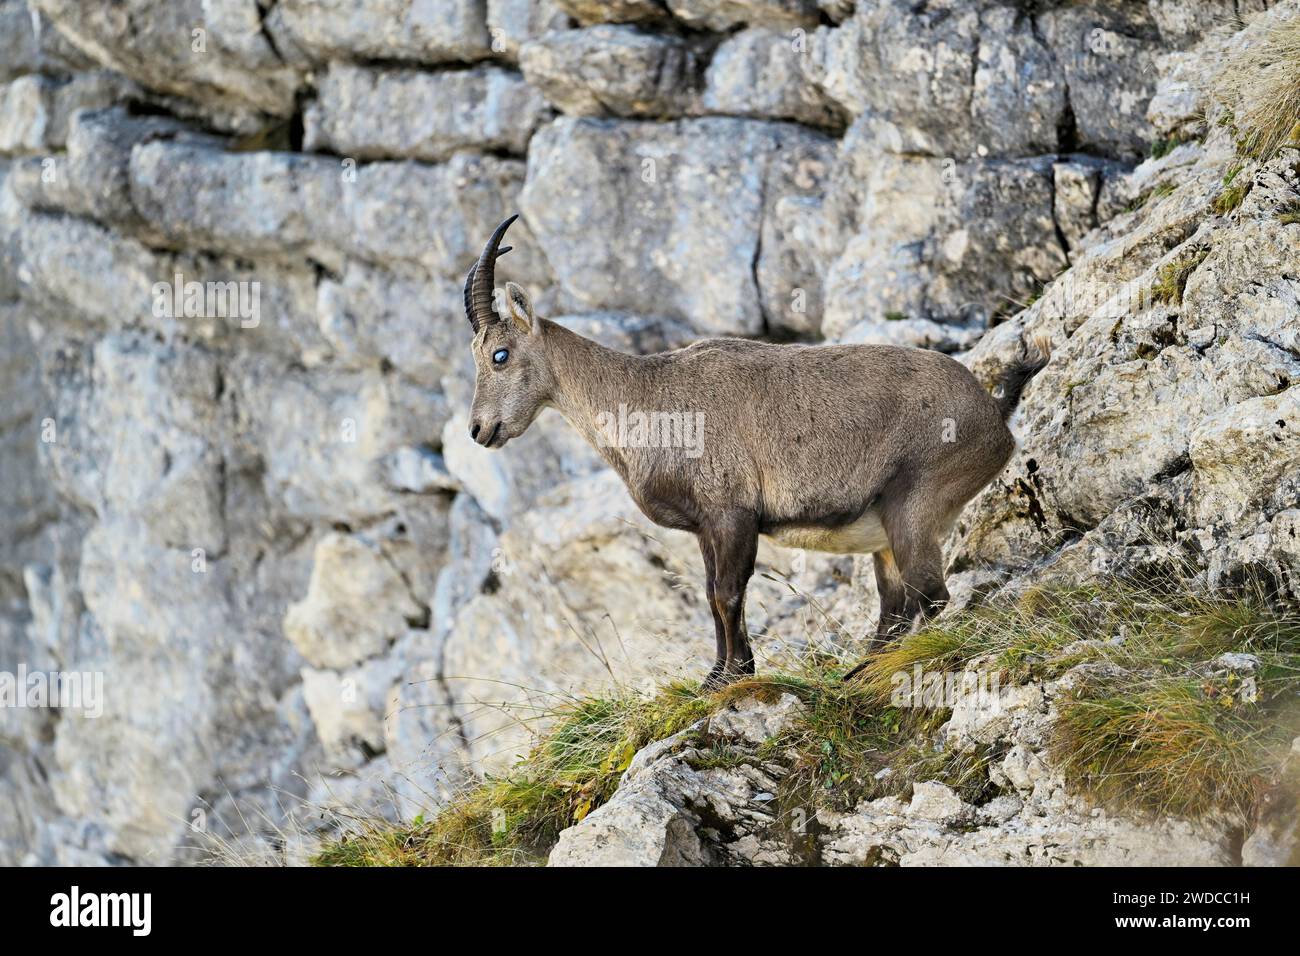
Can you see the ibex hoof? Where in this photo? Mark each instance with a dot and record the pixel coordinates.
(715, 680)
(720, 676)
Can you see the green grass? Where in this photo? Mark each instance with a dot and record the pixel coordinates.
(1154, 725)
(1163, 147)
(1231, 198)
(1171, 280)
(1291, 215)
(516, 818)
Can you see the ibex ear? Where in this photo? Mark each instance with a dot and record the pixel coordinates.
(520, 308)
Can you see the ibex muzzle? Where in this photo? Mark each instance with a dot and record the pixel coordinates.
(839, 448)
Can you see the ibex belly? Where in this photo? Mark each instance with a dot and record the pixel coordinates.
(865, 535)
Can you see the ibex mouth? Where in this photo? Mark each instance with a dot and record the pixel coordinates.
(492, 439)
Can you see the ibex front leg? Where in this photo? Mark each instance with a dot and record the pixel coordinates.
(733, 539)
(714, 678)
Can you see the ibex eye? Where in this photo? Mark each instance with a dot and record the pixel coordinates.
(499, 356)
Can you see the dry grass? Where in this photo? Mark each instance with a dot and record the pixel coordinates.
(1260, 84)
(1171, 280)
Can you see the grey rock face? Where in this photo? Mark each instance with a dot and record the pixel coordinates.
(700, 188)
(421, 31)
(614, 69)
(766, 73)
(968, 80)
(303, 584)
(922, 247)
(722, 15)
(372, 114)
(1108, 57)
(614, 11)
(35, 111)
(514, 22)
(188, 48)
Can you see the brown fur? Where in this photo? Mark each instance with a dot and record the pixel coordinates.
(833, 447)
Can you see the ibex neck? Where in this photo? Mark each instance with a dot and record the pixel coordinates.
(591, 381)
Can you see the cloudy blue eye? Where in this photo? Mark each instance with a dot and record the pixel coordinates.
(499, 356)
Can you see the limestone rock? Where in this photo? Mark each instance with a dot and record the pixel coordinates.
(191, 48)
(764, 73)
(515, 22)
(356, 604)
(667, 179)
(721, 15)
(654, 818)
(370, 114)
(617, 70)
(910, 71)
(35, 110)
(1108, 57)
(348, 708)
(614, 11)
(1276, 840)
(420, 31)
(921, 247)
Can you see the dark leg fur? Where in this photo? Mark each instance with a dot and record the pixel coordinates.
(733, 541)
(714, 678)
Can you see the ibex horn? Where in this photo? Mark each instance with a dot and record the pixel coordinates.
(481, 278)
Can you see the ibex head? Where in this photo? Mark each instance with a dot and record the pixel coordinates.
(513, 379)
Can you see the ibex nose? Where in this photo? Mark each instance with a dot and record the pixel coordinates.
(484, 435)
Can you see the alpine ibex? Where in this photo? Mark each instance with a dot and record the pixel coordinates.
(838, 448)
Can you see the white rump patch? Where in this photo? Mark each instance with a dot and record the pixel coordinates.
(864, 536)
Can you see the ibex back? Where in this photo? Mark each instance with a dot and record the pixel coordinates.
(839, 448)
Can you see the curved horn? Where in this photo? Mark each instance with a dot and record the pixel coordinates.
(479, 282)
(469, 284)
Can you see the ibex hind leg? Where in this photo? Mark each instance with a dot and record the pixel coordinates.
(894, 617)
(916, 541)
(734, 540)
(891, 592)
(909, 578)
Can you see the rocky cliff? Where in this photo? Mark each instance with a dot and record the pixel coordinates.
(237, 477)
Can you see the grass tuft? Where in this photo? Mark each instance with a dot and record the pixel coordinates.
(1163, 147)
(1260, 84)
(1231, 197)
(1171, 280)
